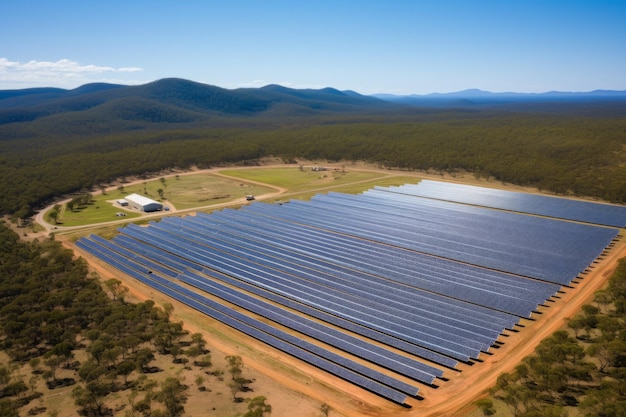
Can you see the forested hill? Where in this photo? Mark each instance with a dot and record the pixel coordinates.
(172, 101)
(55, 141)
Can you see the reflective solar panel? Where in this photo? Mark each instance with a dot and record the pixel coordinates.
(383, 272)
(563, 208)
(345, 368)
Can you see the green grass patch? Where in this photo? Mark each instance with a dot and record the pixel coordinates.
(296, 179)
(98, 211)
(305, 183)
(191, 191)
(181, 192)
(201, 191)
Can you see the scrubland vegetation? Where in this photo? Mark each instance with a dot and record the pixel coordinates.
(61, 330)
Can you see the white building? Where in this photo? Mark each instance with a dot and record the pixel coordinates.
(142, 203)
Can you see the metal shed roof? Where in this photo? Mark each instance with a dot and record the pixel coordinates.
(141, 200)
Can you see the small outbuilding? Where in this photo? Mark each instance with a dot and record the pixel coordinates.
(142, 203)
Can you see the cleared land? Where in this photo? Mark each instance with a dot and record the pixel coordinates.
(211, 189)
(291, 382)
(176, 192)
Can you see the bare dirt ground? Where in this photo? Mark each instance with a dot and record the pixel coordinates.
(295, 389)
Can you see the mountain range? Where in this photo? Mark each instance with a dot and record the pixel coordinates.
(173, 100)
(473, 97)
(176, 100)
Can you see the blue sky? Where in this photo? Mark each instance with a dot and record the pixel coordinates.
(401, 47)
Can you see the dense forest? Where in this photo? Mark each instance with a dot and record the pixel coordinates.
(53, 142)
(583, 366)
(55, 316)
(557, 153)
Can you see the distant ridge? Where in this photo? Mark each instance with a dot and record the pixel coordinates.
(113, 107)
(188, 101)
(4, 94)
(94, 88)
(480, 97)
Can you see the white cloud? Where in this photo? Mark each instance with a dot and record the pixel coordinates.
(129, 69)
(62, 73)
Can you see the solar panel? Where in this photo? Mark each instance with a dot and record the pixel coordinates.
(397, 363)
(355, 254)
(282, 285)
(374, 335)
(366, 285)
(372, 275)
(545, 249)
(434, 302)
(374, 353)
(344, 307)
(563, 208)
(367, 378)
(317, 279)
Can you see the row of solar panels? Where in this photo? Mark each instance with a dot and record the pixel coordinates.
(339, 365)
(561, 208)
(334, 255)
(222, 287)
(546, 249)
(142, 252)
(371, 313)
(493, 289)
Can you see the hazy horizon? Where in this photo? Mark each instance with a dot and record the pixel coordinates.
(468, 91)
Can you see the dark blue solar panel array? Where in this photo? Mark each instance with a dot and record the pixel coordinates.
(561, 208)
(409, 284)
(554, 251)
(372, 380)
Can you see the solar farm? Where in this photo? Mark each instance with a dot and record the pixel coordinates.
(388, 289)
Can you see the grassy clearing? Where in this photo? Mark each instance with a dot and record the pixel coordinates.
(296, 179)
(181, 192)
(199, 190)
(107, 232)
(98, 211)
(383, 182)
(205, 190)
(305, 182)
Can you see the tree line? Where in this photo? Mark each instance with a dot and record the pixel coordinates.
(569, 155)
